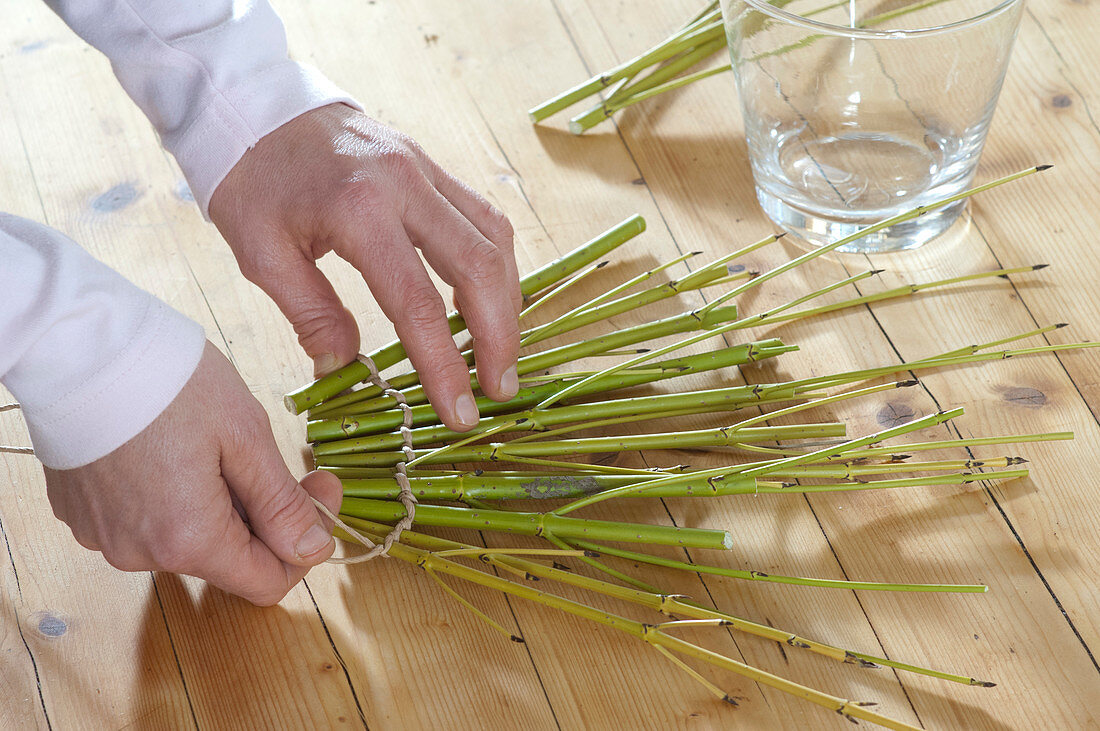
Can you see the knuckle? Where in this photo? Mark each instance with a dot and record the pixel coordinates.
(453, 370)
(488, 218)
(497, 226)
(423, 307)
(400, 144)
(250, 425)
(360, 198)
(259, 267)
(495, 352)
(399, 159)
(443, 378)
(440, 366)
(483, 263)
(502, 339)
(313, 324)
(285, 509)
(85, 539)
(412, 145)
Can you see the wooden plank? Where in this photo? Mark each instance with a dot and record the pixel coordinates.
(656, 146)
(1022, 225)
(98, 641)
(546, 210)
(109, 192)
(19, 695)
(20, 701)
(67, 659)
(393, 650)
(1064, 26)
(524, 154)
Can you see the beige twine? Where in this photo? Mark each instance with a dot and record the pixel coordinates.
(405, 493)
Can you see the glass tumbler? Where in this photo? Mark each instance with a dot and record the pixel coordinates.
(858, 110)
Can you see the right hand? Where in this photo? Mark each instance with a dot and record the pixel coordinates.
(333, 179)
(203, 491)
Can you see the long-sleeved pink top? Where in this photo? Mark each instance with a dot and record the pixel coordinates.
(92, 358)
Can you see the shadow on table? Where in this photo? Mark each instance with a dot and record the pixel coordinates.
(939, 710)
(708, 171)
(240, 664)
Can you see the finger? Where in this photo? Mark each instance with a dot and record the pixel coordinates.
(326, 330)
(327, 488)
(245, 566)
(58, 495)
(398, 280)
(226, 553)
(86, 538)
(280, 512)
(477, 270)
(257, 574)
(488, 219)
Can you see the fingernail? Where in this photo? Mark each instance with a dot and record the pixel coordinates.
(509, 382)
(324, 364)
(312, 541)
(466, 410)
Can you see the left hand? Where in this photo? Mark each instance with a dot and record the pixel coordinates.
(335, 180)
(202, 491)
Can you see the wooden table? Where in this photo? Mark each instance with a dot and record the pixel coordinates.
(378, 645)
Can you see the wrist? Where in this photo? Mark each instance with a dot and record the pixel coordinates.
(238, 118)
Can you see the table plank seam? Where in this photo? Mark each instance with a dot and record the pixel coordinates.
(1004, 515)
(175, 653)
(714, 603)
(988, 489)
(209, 308)
(1061, 69)
(508, 162)
(339, 656)
(526, 645)
(19, 629)
(34, 666)
(1042, 578)
(866, 615)
(11, 558)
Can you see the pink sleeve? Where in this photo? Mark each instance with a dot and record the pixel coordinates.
(91, 358)
(213, 76)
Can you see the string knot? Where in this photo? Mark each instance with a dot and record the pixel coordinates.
(401, 476)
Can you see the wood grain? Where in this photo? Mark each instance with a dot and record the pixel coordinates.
(380, 646)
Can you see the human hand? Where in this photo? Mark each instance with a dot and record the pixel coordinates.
(335, 180)
(172, 498)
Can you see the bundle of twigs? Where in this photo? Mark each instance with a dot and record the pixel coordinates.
(696, 51)
(357, 434)
(670, 64)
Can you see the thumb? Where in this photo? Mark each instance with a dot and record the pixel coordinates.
(327, 488)
(279, 510)
(326, 329)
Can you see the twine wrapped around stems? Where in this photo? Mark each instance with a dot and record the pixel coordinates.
(405, 494)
